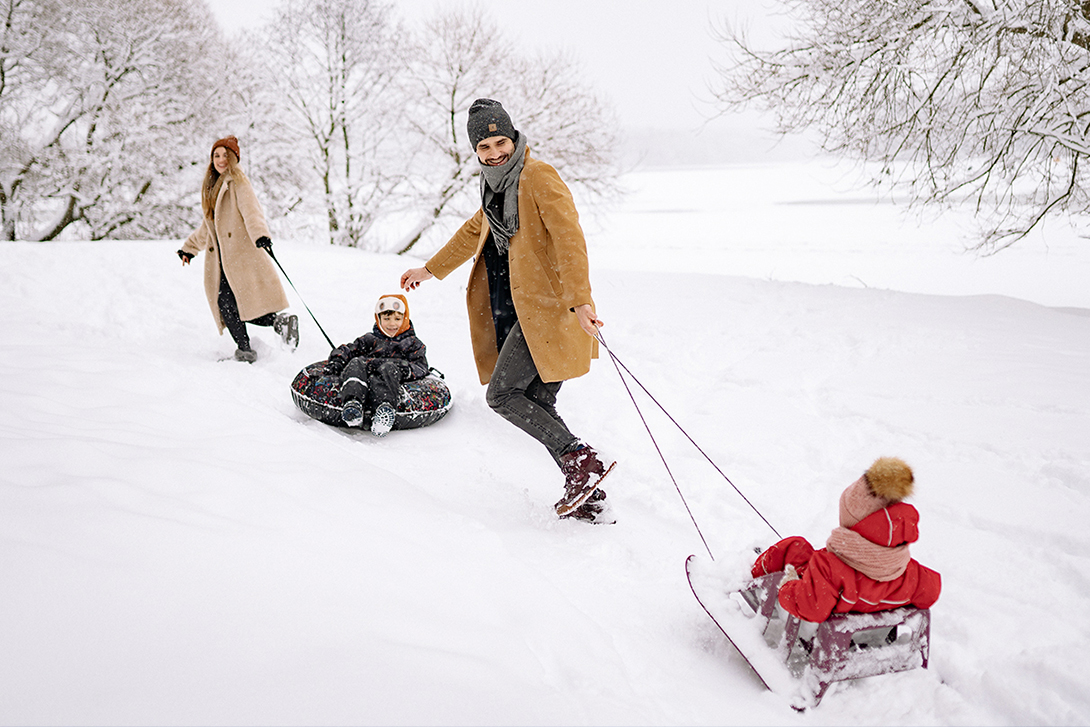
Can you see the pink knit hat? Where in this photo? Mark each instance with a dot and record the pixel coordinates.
(888, 480)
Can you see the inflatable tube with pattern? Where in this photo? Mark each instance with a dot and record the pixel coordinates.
(422, 402)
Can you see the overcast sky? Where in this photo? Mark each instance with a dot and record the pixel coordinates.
(652, 58)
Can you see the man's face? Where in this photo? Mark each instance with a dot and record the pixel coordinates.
(389, 321)
(495, 150)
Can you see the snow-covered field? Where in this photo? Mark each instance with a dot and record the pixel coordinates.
(180, 545)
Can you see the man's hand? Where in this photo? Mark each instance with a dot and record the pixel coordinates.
(411, 279)
(590, 322)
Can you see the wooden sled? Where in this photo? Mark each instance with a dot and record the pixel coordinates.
(799, 659)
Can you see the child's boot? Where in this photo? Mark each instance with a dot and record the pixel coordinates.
(352, 413)
(383, 420)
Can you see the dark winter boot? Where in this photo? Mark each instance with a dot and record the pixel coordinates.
(245, 355)
(383, 420)
(288, 328)
(595, 510)
(583, 471)
(352, 413)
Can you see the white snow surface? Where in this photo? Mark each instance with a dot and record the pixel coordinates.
(179, 544)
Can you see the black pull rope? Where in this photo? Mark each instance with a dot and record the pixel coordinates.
(620, 365)
(617, 364)
(269, 250)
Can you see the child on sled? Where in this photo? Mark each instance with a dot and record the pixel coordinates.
(865, 565)
(371, 369)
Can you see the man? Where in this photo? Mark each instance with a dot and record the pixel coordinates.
(531, 316)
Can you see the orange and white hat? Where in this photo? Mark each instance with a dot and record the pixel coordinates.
(396, 303)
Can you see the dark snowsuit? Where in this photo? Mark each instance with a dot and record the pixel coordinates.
(372, 368)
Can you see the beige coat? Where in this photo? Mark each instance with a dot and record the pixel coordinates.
(549, 277)
(239, 221)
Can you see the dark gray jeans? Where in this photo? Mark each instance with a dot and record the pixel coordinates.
(517, 393)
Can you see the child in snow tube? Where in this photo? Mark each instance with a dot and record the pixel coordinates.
(371, 369)
(865, 565)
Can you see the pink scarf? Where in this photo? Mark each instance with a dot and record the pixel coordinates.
(872, 560)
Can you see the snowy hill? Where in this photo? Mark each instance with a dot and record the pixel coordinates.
(180, 544)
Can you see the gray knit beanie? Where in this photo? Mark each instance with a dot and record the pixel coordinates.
(486, 119)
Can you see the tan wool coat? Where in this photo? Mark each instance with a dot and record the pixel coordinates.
(549, 277)
(239, 221)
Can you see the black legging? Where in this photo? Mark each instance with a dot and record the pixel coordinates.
(229, 313)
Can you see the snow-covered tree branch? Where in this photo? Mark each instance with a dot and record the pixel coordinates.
(460, 56)
(99, 104)
(332, 66)
(976, 101)
(351, 126)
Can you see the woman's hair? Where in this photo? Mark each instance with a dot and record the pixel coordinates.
(213, 180)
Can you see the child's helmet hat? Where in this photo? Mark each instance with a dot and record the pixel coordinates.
(388, 303)
(394, 303)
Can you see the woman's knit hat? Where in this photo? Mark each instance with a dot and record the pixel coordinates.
(397, 303)
(228, 142)
(888, 480)
(486, 119)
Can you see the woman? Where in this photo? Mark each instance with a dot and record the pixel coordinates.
(239, 278)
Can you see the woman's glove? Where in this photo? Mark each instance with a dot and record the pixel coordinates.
(264, 242)
(185, 256)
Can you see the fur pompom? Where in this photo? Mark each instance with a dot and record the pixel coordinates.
(891, 478)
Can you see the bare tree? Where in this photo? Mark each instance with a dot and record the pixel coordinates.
(107, 108)
(334, 62)
(276, 154)
(985, 101)
(460, 56)
(97, 101)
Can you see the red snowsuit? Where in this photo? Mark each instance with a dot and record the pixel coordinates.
(827, 585)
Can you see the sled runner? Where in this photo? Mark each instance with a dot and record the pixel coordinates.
(420, 403)
(800, 660)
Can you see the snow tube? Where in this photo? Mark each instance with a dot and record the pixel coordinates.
(421, 402)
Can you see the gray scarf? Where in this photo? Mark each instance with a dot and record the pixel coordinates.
(504, 179)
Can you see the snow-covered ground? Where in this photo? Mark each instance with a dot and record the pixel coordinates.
(180, 545)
